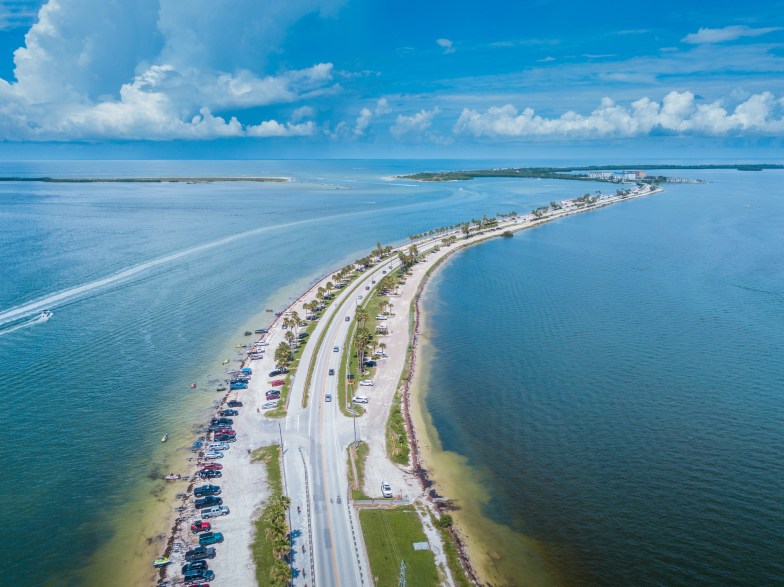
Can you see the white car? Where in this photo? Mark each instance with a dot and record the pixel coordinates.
(360, 399)
(381, 317)
(270, 405)
(366, 383)
(386, 489)
(328, 397)
(262, 343)
(213, 455)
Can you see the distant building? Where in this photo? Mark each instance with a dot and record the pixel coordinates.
(619, 176)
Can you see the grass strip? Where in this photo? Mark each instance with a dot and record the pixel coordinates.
(358, 452)
(262, 546)
(389, 537)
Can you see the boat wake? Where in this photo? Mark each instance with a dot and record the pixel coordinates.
(39, 319)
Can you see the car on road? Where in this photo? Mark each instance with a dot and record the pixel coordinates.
(270, 405)
(234, 403)
(348, 318)
(212, 455)
(331, 371)
(198, 576)
(384, 272)
(197, 565)
(335, 349)
(207, 502)
(203, 490)
(200, 553)
(360, 399)
(215, 511)
(367, 287)
(359, 297)
(226, 437)
(328, 397)
(277, 382)
(386, 489)
(210, 538)
(200, 526)
(209, 474)
(218, 446)
(366, 383)
(229, 413)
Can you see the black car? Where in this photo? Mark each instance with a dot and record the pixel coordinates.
(277, 372)
(206, 490)
(208, 502)
(200, 553)
(198, 576)
(234, 403)
(229, 413)
(210, 474)
(226, 438)
(370, 363)
(331, 371)
(214, 427)
(228, 421)
(198, 565)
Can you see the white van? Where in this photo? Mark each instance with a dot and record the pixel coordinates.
(215, 511)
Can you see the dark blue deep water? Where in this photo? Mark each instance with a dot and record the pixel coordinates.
(616, 379)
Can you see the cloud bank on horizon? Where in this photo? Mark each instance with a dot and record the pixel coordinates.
(163, 70)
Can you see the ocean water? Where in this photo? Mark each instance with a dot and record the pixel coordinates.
(615, 382)
(151, 286)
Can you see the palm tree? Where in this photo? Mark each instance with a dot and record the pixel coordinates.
(287, 323)
(330, 287)
(466, 229)
(290, 338)
(382, 346)
(362, 316)
(283, 355)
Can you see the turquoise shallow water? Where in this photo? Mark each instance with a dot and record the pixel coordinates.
(616, 380)
(92, 390)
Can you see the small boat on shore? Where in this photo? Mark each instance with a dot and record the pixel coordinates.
(221, 388)
(161, 562)
(226, 361)
(248, 333)
(164, 438)
(172, 477)
(270, 310)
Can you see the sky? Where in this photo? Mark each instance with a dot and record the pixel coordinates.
(363, 78)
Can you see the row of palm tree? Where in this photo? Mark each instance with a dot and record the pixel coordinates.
(283, 354)
(479, 224)
(278, 534)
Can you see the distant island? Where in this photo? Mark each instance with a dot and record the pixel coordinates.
(141, 179)
(590, 173)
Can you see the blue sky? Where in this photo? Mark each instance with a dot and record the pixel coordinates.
(362, 78)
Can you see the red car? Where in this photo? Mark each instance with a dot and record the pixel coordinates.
(200, 526)
(277, 383)
(228, 431)
(211, 467)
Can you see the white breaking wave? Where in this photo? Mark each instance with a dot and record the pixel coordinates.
(53, 300)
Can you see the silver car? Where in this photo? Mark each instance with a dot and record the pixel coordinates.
(213, 455)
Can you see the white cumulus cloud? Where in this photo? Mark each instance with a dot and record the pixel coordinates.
(366, 116)
(678, 112)
(728, 33)
(155, 69)
(414, 127)
(446, 45)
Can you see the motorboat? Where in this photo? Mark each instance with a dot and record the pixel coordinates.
(164, 438)
(46, 314)
(221, 388)
(172, 477)
(193, 385)
(161, 562)
(226, 361)
(248, 333)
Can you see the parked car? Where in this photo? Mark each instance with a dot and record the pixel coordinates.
(273, 392)
(212, 467)
(234, 403)
(262, 343)
(210, 538)
(209, 474)
(328, 397)
(276, 372)
(370, 363)
(335, 349)
(197, 565)
(227, 421)
(224, 430)
(386, 489)
(331, 371)
(215, 511)
(270, 405)
(218, 446)
(278, 382)
(198, 576)
(366, 383)
(200, 526)
(200, 553)
(360, 399)
(203, 490)
(226, 437)
(207, 502)
(229, 413)
(212, 455)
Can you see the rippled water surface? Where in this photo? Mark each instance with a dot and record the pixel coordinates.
(615, 379)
